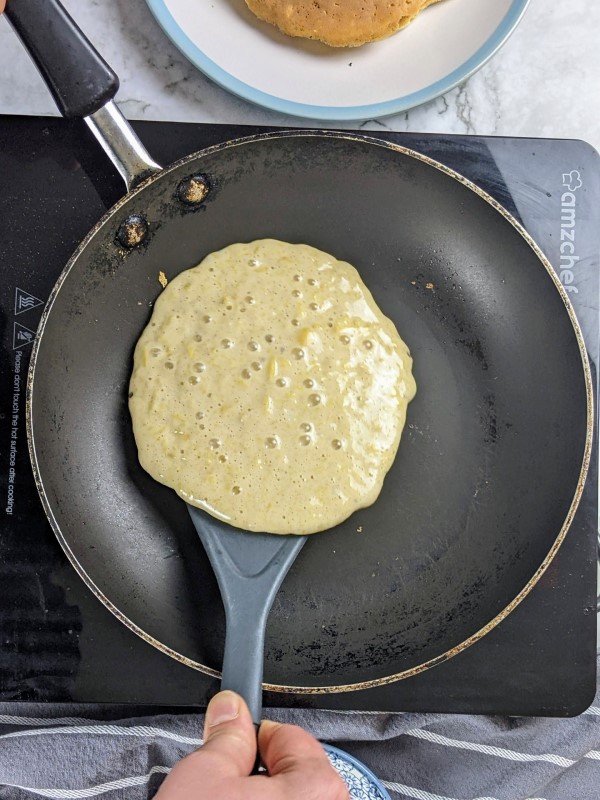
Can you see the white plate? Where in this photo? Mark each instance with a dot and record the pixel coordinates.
(444, 45)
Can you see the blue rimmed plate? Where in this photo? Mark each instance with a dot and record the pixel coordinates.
(447, 43)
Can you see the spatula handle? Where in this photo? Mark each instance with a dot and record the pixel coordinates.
(249, 568)
(244, 656)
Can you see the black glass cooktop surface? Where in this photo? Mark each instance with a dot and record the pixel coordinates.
(59, 643)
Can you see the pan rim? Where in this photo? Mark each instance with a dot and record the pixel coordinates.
(498, 618)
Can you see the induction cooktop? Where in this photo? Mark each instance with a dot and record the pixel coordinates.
(59, 643)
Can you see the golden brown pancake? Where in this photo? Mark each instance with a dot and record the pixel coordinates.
(339, 23)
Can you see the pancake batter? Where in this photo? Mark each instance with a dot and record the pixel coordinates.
(269, 390)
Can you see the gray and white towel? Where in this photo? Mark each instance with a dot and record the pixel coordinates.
(75, 752)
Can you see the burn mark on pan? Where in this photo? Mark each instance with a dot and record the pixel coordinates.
(193, 194)
(438, 301)
(474, 346)
(132, 231)
(489, 419)
(193, 190)
(137, 231)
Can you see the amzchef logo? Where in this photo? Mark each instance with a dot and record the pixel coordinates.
(571, 181)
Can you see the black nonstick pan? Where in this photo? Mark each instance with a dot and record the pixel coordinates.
(491, 464)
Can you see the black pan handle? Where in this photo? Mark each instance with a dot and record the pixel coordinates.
(81, 82)
(79, 79)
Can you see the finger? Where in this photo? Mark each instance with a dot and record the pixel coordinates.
(297, 761)
(283, 746)
(228, 752)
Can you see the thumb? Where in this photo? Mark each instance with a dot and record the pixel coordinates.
(229, 750)
(229, 735)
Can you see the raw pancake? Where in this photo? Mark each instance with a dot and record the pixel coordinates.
(269, 389)
(345, 23)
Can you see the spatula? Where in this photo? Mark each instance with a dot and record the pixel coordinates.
(250, 568)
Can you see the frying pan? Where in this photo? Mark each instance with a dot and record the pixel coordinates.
(492, 461)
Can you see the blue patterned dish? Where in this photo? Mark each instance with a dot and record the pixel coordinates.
(359, 779)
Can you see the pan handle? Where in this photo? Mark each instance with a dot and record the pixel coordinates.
(78, 78)
(121, 144)
(80, 81)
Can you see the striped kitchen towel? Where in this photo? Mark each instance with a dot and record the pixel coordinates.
(74, 752)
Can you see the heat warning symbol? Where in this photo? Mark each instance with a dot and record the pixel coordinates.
(25, 301)
(22, 336)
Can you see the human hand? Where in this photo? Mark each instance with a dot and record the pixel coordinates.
(297, 766)
(2, 4)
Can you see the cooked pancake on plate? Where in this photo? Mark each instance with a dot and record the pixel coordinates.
(339, 23)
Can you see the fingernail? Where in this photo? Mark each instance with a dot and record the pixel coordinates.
(224, 707)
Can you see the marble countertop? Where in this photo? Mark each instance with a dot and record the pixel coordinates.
(544, 82)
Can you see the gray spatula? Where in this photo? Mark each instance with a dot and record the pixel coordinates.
(249, 568)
